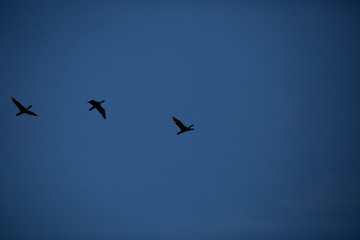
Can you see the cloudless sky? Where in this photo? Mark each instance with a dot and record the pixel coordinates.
(271, 86)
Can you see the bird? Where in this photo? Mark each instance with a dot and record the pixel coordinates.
(22, 109)
(182, 127)
(98, 106)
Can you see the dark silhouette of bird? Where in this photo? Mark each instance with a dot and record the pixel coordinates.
(22, 109)
(98, 106)
(182, 127)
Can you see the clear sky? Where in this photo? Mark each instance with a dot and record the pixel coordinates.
(272, 88)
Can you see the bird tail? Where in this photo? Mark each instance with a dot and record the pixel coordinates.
(19, 113)
(91, 108)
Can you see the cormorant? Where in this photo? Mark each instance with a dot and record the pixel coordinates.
(22, 109)
(97, 105)
(182, 127)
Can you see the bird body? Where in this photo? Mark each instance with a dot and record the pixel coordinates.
(182, 127)
(23, 109)
(98, 107)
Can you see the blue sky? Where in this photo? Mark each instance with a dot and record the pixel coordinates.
(272, 89)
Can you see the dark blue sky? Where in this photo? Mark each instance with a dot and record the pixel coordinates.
(272, 88)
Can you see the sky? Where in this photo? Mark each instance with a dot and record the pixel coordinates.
(272, 89)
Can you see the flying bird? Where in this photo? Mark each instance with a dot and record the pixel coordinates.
(182, 127)
(22, 109)
(98, 107)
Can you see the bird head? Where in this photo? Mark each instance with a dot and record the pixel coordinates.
(29, 107)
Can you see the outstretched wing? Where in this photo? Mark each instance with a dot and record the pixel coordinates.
(101, 111)
(31, 113)
(20, 107)
(179, 124)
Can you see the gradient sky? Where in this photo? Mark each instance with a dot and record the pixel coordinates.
(272, 88)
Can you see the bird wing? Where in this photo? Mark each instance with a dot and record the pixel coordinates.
(20, 107)
(31, 113)
(179, 124)
(102, 111)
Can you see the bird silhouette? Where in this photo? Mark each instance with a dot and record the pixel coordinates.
(98, 106)
(22, 109)
(182, 127)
